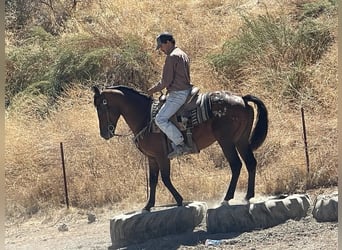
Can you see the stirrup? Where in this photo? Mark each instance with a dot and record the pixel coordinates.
(179, 150)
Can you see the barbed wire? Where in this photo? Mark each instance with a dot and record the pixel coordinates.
(49, 154)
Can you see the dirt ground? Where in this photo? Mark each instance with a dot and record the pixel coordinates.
(46, 232)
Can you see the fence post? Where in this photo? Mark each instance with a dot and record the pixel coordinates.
(64, 176)
(305, 143)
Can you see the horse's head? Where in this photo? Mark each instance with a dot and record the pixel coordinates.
(107, 112)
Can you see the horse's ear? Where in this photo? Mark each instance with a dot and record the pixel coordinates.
(96, 90)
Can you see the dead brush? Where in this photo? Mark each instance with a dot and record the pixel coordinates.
(97, 176)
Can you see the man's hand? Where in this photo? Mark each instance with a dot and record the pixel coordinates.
(150, 92)
(153, 89)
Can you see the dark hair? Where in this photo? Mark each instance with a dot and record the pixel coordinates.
(164, 37)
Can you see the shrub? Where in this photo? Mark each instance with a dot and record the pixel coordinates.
(310, 42)
(133, 65)
(50, 65)
(126, 64)
(51, 15)
(271, 41)
(276, 50)
(316, 9)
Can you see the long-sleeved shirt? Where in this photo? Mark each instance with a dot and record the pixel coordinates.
(176, 72)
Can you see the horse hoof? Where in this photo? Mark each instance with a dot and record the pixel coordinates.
(144, 211)
(224, 203)
(247, 198)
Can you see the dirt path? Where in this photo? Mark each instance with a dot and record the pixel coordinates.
(42, 232)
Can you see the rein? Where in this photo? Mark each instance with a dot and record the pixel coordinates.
(140, 134)
(111, 127)
(122, 135)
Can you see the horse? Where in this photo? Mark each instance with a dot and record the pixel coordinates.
(230, 124)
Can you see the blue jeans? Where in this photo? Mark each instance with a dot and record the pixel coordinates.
(174, 101)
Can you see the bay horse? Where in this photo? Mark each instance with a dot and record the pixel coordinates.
(231, 126)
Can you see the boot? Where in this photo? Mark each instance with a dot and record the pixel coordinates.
(179, 150)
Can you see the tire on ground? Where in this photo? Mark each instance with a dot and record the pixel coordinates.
(326, 208)
(137, 227)
(247, 217)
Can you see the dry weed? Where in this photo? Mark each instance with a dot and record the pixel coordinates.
(101, 172)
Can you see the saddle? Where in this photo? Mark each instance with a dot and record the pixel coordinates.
(197, 109)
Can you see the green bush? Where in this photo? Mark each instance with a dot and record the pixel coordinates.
(127, 63)
(271, 41)
(77, 65)
(45, 65)
(317, 8)
(28, 62)
(280, 52)
(310, 42)
(133, 66)
(258, 37)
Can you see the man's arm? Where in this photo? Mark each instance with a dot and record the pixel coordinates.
(155, 88)
(167, 76)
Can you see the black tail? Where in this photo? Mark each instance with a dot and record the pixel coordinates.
(259, 132)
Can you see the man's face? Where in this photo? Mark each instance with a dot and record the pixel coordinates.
(165, 47)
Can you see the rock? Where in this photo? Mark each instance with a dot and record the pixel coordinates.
(63, 228)
(259, 215)
(326, 208)
(137, 227)
(91, 218)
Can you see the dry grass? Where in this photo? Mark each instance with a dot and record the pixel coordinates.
(100, 172)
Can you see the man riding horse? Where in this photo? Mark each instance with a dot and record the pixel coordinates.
(176, 80)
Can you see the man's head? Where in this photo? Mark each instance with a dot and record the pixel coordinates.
(165, 38)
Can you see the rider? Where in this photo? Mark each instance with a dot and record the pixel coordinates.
(176, 80)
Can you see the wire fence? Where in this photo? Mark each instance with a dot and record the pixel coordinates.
(64, 173)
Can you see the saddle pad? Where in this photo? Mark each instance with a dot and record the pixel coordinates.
(185, 118)
(199, 110)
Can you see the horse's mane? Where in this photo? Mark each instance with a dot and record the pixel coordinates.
(126, 89)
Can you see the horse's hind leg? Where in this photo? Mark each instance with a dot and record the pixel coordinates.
(235, 166)
(247, 155)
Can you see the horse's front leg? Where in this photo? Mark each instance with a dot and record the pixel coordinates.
(164, 165)
(153, 180)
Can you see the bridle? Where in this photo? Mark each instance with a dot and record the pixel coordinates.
(111, 127)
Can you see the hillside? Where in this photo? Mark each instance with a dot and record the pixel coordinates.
(284, 52)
